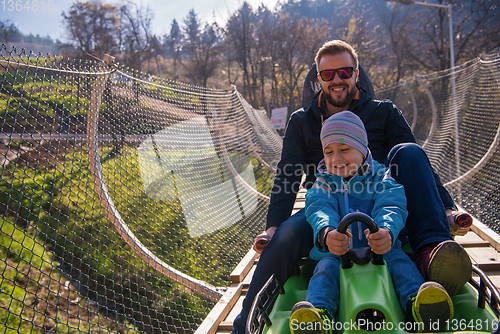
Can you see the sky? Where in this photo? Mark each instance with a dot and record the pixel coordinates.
(48, 20)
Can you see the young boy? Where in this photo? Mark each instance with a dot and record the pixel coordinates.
(350, 180)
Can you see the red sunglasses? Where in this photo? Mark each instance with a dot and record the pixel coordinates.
(344, 73)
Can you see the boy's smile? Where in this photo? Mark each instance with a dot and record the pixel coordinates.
(342, 159)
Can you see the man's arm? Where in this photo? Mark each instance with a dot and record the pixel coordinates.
(288, 174)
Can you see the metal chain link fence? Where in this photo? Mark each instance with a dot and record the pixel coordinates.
(127, 200)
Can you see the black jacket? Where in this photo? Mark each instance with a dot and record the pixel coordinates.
(302, 151)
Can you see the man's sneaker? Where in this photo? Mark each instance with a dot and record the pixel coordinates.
(306, 319)
(431, 310)
(448, 264)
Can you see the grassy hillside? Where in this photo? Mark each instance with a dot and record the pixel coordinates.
(66, 264)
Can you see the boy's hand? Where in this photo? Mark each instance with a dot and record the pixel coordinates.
(262, 239)
(380, 242)
(338, 243)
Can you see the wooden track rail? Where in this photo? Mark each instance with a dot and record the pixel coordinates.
(481, 243)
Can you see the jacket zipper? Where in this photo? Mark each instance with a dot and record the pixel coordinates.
(347, 210)
(346, 203)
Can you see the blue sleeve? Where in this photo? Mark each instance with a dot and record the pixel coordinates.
(389, 208)
(321, 209)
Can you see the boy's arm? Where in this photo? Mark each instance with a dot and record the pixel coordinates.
(321, 211)
(389, 208)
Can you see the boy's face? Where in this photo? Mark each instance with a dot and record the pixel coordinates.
(342, 159)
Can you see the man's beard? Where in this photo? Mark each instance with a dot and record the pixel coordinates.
(341, 103)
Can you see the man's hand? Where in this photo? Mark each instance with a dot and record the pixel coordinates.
(380, 242)
(262, 239)
(454, 228)
(338, 243)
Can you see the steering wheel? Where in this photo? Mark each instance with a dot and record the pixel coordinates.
(350, 218)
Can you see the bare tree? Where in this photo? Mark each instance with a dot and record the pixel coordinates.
(240, 37)
(475, 30)
(266, 38)
(295, 44)
(92, 26)
(265, 62)
(477, 27)
(173, 43)
(267, 53)
(135, 34)
(155, 51)
(201, 47)
(8, 32)
(398, 59)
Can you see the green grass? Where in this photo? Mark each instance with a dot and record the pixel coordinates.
(29, 278)
(29, 274)
(26, 97)
(56, 214)
(54, 219)
(19, 250)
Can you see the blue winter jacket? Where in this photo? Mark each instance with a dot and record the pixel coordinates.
(375, 193)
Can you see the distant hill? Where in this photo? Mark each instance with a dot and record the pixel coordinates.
(11, 36)
(36, 48)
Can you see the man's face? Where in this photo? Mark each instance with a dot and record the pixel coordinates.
(338, 92)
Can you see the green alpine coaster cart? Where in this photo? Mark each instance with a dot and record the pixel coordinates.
(368, 301)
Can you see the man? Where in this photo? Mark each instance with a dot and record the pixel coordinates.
(390, 139)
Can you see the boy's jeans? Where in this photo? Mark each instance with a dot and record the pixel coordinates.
(426, 223)
(324, 287)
